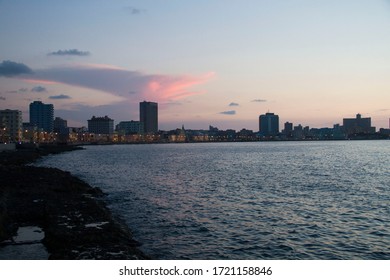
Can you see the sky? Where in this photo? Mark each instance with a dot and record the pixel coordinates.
(206, 62)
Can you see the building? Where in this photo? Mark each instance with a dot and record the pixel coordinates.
(288, 127)
(30, 132)
(269, 124)
(358, 125)
(130, 127)
(148, 115)
(288, 130)
(42, 116)
(101, 125)
(10, 126)
(60, 125)
(298, 132)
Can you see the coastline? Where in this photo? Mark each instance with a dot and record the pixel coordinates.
(75, 221)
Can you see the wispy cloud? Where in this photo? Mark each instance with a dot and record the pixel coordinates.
(21, 90)
(234, 104)
(121, 82)
(233, 112)
(10, 69)
(39, 89)
(135, 11)
(2, 98)
(74, 52)
(61, 96)
(259, 100)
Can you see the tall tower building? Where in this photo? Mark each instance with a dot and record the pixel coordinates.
(148, 115)
(269, 124)
(42, 116)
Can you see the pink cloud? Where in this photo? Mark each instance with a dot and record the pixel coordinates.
(45, 82)
(120, 82)
(164, 88)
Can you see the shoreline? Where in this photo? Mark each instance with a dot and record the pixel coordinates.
(72, 215)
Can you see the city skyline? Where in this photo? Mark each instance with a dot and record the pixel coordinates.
(217, 63)
(268, 124)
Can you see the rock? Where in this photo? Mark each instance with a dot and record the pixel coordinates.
(75, 220)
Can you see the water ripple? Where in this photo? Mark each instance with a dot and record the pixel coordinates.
(302, 200)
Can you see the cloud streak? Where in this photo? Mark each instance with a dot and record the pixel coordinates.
(74, 52)
(10, 69)
(120, 82)
(233, 112)
(134, 11)
(234, 104)
(38, 89)
(61, 96)
(259, 100)
(22, 90)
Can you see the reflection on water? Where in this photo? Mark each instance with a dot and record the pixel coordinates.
(301, 200)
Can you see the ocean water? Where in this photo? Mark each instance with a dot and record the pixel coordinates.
(259, 200)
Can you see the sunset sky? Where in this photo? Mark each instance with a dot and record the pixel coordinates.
(206, 62)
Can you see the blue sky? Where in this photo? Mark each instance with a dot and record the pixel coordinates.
(213, 62)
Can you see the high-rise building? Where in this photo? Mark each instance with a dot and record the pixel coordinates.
(10, 125)
(269, 124)
(288, 127)
(101, 125)
(358, 125)
(42, 116)
(148, 115)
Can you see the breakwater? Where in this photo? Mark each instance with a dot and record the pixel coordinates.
(75, 222)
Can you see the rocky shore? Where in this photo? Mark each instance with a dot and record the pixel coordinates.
(70, 215)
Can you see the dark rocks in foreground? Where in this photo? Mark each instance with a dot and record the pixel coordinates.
(29, 153)
(76, 222)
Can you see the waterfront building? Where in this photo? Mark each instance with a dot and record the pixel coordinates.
(358, 125)
(60, 125)
(385, 131)
(30, 132)
(148, 115)
(306, 132)
(130, 127)
(288, 129)
(10, 126)
(269, 124)
(101, 125)
(42, 116)
(298, 132)
(178, 135)
(338, 132)
(246, 135)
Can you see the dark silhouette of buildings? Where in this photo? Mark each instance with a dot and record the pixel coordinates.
(288, 129)
(101, 125)
(42, 116)
(358, 125)
(130, 127)
(269, 124)
(148, 115)
(10, 126)
(60, 125)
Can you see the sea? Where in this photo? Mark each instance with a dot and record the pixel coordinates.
(257, 200)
